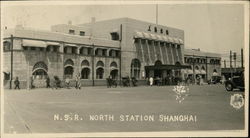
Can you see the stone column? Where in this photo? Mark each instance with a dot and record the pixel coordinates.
(153, 42)
(166, 52)
(177, 54)
(172, 54)
(149, 56)
(159, 44)
(140, 43)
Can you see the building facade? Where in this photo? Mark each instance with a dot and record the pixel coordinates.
(203, 64)
(118, 48)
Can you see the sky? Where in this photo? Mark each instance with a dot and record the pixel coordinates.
(215, 28)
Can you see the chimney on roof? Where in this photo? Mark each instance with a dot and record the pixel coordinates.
(70, 22)
(92, 19)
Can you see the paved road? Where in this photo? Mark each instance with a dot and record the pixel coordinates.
(39, 111)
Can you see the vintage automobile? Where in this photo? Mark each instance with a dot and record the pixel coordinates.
(236, 82)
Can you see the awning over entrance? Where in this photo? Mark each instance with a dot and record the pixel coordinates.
(203, 72)
(34, 43)
(163, 67)
(156, 37)
(197, 71)
(190, 71)
(52, 44)
(71, 45)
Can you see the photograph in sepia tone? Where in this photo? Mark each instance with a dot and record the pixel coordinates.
(123, 68)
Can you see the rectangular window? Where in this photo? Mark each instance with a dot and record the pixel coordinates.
(104, 51)
(55, 49)
(117, 53)
(47, 48)
(89, 51)
(82, 33)
(6, 46)
(32, 48)
(71, 31)
(185, 59)
(25, 48)
(136, 40)
(74, 50)
(167, 32)
(114, 36)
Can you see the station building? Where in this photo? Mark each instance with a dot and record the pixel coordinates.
(203, 64)
(117, 48)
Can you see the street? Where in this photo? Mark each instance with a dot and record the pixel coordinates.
(130, 109)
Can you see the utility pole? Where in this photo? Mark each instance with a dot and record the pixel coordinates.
(11, 61)
(242, 65)
(231, 63)
(156, 14)
(93, 62)
(234, 56)
(225, 64)
(120, 56)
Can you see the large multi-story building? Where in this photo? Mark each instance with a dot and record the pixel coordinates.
(118, 48)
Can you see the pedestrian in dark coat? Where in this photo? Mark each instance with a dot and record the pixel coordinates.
(48, 82)
(31, 83)
(17, 83)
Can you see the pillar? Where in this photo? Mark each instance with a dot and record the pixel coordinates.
(150, 60)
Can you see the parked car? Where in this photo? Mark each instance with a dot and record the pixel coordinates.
(215, 80)
(236, 82)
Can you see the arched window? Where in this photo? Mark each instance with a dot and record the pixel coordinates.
(114, 74)
(114, 70)
(113, 65)
(177, 63)
(40, 70)
(135, 68)
(68, 68)
(85, 73)
(158, 63)
(69, 62)
(99, 64)
(99, 73)
(85, 63)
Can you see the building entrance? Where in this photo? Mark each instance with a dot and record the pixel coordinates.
(157, 73)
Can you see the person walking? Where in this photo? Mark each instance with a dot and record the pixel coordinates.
(78, 83)
(17, 83)
(151, 81)
(32, 83)
(48, 82)
(67, 82)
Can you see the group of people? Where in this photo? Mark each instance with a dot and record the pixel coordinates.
(111, 82)
(54, 84)
(127, 81)
(57, 82)
(168, 80)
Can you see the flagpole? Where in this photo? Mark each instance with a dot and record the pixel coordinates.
(156, 14)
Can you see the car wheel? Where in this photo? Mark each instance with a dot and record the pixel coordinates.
(229, 87)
